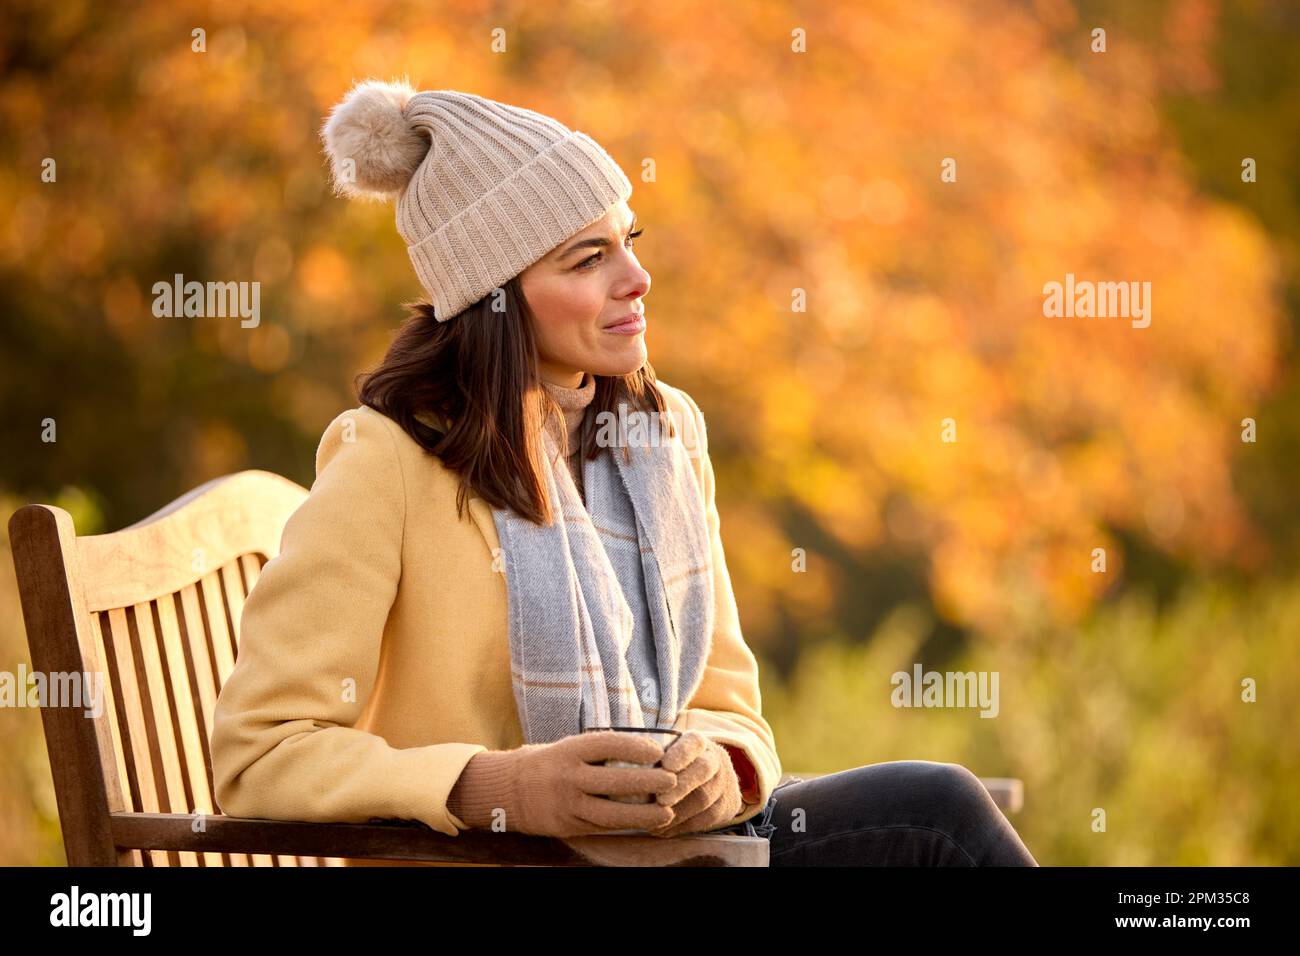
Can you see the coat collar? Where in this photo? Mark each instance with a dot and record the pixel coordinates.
(481, 513)
(479, 510)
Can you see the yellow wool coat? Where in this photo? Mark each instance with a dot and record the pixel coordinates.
(374, 656)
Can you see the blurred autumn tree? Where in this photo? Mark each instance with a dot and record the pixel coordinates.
(810, 174)
(827, 298)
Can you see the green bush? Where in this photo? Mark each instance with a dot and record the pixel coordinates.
(1139, 713)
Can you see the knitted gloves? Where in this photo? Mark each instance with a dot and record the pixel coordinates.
(707, 793)
(550, 789)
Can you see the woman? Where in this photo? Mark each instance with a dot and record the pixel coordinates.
(399, 660)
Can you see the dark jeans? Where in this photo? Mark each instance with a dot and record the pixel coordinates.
(900, 813)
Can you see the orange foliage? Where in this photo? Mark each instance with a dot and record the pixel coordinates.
(773, 171)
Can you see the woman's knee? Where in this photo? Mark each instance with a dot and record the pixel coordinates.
(914, 800)
(960, 778)
(949, 784)
(988, 834)
(963, 786)
(935, 773)
(915, 792)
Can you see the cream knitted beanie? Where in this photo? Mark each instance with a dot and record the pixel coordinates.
(483, 189)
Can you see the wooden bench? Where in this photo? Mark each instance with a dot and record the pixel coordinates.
(155, 609)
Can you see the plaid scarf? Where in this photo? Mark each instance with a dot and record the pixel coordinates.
(638, 550)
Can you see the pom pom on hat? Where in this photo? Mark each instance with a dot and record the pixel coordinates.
(373, 149)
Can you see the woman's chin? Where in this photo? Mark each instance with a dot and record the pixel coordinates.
(623, 360)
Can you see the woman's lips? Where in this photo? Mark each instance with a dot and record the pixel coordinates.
(633, 326)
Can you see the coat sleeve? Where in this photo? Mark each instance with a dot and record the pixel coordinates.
(283, 742)
(727, 706)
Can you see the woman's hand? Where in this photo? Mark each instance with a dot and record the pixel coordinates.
(561, 788)
(707, 793)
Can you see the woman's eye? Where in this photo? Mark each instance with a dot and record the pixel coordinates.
(591, 261)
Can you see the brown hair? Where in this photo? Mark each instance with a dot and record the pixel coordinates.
(477, 374)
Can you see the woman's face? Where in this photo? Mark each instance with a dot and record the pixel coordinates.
(578, 291)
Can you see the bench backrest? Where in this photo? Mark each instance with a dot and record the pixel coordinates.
(151, 614)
